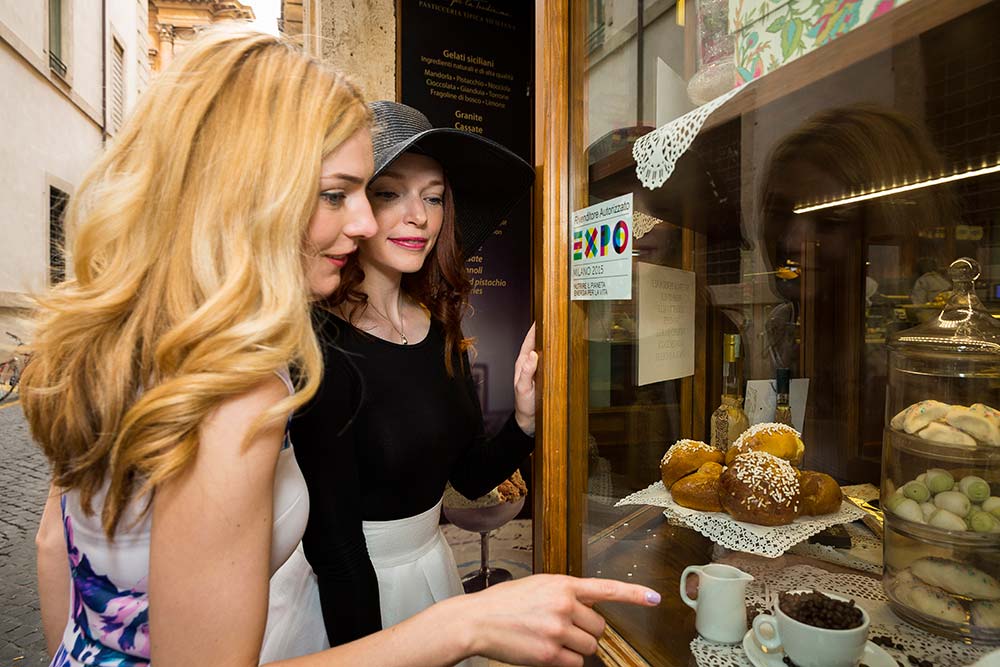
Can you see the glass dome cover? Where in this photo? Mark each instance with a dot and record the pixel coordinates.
(941, 466)
(964, 325)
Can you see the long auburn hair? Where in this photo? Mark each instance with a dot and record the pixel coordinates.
(441, 286)
(187, 247)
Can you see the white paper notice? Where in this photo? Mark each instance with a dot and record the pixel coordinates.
(666, 323)
(602, 251)
(762, 399)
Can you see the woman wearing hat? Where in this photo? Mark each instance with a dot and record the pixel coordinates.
(392, 334)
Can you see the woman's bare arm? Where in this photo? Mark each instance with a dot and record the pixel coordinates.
(538, 620)
(53, 572)
(209, 570)
(209, 560)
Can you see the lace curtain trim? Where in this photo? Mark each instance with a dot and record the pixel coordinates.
(657, 152)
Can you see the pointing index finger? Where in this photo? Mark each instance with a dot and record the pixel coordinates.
(592, 591)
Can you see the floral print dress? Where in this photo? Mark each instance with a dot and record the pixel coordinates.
(108, 624)
(109, 604)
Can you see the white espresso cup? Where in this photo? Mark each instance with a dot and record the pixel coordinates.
(809, 646)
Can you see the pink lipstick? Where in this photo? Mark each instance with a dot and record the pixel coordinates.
(410, 242)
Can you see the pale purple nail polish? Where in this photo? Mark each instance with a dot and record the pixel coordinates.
(653, 597)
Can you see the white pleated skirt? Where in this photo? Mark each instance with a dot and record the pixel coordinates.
(414, 565)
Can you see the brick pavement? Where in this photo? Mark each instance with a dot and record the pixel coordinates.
(23, 482)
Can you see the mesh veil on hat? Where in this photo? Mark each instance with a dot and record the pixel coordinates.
(486, 179)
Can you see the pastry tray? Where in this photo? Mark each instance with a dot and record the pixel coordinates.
(724, 530)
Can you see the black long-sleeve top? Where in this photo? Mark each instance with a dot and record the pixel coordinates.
(387, 429)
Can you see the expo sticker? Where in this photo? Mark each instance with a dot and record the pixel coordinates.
(602, 251)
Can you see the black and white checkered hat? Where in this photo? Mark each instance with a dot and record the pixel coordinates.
(486, 179)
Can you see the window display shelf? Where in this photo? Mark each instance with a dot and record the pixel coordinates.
(901, 24)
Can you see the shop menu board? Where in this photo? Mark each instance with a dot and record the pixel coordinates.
(468, 64)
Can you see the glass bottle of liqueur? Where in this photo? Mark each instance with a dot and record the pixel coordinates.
(782, 409)
(729, 420)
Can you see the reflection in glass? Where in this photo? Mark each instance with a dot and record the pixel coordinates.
(859, 262)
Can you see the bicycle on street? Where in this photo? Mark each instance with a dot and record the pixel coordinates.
(11, 369)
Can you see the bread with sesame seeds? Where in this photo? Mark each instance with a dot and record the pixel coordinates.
(684, 457)
(780, 440)
(760, 488)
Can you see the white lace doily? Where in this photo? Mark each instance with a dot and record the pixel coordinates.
(900, 640)
(770, 541)
(657, 152)
(859, 587)
(707, 654)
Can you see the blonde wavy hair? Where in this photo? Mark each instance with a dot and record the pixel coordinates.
(188, 251)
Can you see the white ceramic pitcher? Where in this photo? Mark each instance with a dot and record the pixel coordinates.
(721, 614)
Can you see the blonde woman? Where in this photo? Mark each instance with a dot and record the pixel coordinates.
(159, 388)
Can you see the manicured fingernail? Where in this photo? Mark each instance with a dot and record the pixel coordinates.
(652, 597)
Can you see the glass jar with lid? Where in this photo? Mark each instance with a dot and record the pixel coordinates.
(941, 468)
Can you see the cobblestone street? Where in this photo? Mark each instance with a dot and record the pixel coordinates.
(23, 483)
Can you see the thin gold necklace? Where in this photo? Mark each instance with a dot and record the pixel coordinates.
(386, 318)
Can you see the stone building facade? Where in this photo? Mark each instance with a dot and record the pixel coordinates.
(71, 70)
(174, 23)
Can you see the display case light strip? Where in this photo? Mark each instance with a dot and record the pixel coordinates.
(896, 189)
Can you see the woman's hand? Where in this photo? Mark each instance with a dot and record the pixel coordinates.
(544, 619)
(547, 619)
(524, 383)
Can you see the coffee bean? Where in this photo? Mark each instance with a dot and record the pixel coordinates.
(821, 611)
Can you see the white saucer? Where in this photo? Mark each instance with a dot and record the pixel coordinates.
(874, 655)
